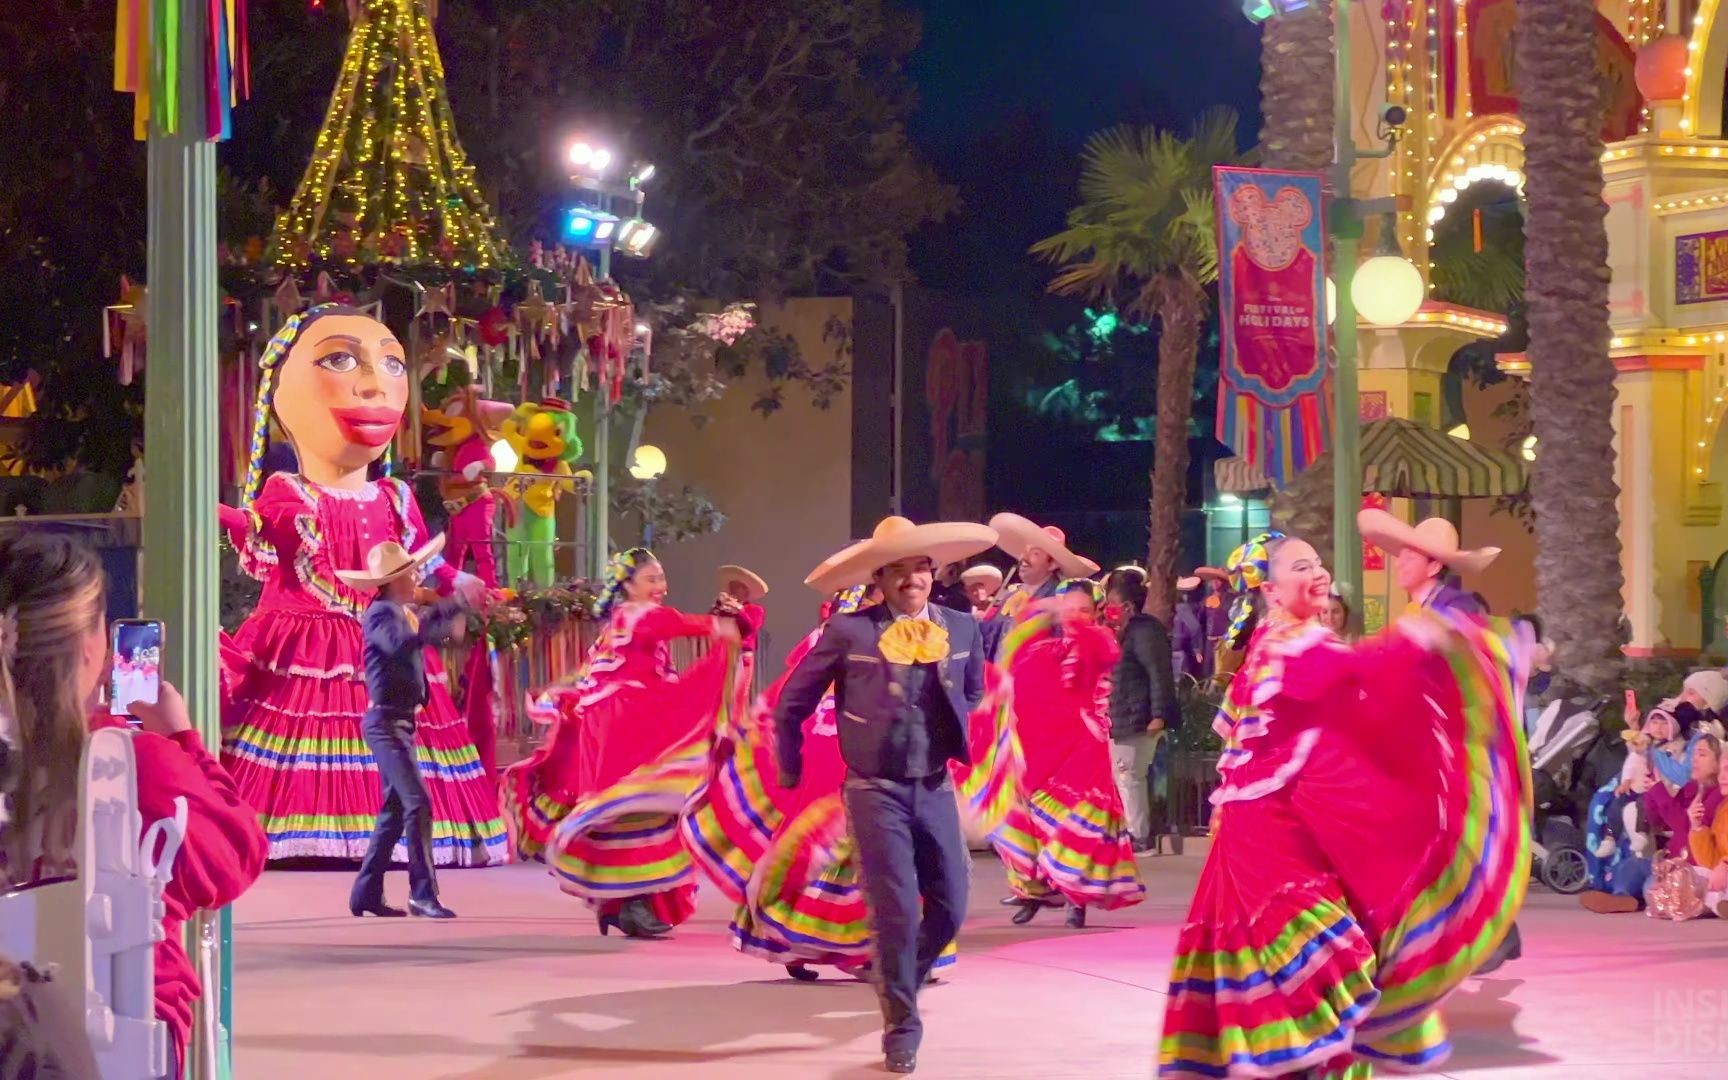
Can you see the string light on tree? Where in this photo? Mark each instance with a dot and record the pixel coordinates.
(389, 180)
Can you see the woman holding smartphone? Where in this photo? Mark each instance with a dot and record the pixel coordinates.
(54, 654)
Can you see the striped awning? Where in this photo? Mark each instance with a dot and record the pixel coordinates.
(1234, 476)
(1402, 459)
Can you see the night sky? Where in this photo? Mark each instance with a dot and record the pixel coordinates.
(1010, 89)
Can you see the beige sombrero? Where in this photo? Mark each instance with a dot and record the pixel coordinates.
(982, 572)
(1436, 538)
(896, 538)
(751, 581)
(389, 561)
(1018, 534)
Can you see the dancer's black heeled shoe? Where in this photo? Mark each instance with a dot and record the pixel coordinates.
(637, 921)
(1028, 911)
(607, 922)
(380, 909)
(802, 973)
(1076, 917)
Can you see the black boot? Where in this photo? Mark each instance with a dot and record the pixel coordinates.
(637, 921)
(1076, 917)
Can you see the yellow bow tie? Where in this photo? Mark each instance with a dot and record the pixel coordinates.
(914, 641)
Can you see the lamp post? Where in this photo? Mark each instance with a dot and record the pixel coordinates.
(648, 465)
(603, 229)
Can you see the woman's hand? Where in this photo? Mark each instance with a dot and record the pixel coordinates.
(1695, 812)
(167, 717)
(1643, 783)
(726, 630)
(472, 590)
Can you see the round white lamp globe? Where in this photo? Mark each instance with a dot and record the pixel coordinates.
(1388, 290)
(649, 462)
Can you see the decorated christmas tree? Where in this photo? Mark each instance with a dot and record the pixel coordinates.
(388, 181)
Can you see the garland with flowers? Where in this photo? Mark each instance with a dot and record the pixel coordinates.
(512, 622)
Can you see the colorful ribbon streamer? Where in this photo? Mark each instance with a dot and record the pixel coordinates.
(148, 47)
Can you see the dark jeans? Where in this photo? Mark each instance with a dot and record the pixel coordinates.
(407, 809)
(911, 855)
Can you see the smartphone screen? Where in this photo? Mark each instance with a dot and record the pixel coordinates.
(137, 671)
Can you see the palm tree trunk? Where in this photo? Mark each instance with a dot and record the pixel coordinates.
(1182, 308)
(1578, 575)
(1296, 89)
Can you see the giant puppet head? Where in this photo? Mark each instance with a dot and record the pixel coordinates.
(337, 382)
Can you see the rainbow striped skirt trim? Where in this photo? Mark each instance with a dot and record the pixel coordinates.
(624, 842)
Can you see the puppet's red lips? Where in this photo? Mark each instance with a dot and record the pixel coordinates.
(369, 426)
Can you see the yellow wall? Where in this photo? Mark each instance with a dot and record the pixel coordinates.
(784, 483)
(1509, 583)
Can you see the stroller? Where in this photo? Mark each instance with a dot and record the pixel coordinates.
(1562, 735)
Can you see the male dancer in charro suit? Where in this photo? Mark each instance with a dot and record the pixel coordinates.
(906, 674)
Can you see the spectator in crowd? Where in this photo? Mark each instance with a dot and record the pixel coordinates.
(1670, 817)
(1142, 698)
(53, 654)
(1190, 649)
(1708, 841)
(1338, 615)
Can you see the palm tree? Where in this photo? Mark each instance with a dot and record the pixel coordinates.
(1578, 576)
(1143, 239)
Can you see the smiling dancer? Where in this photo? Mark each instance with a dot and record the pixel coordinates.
(600, 800)
(906, 676)
(1361, 867)
(293, 679)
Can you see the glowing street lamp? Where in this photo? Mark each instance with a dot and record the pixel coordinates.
(588, 158)
(648, 463)
(1388, 290)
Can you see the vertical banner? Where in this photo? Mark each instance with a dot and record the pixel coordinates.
(1273, 405)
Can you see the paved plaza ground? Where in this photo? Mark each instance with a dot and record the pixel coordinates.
(521, 987)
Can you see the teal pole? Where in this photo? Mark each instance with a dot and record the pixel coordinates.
(180, 440)
(1347, 234)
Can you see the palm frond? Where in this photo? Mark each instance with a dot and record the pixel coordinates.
(1146, 210)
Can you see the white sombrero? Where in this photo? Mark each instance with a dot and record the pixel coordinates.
(389, 561)
(1018, 534)
(1436, 538)
(752, 582)
(897, 538)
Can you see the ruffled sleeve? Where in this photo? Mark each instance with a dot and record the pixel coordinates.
(265, 533)
(1300, 661)
(1092, 651)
